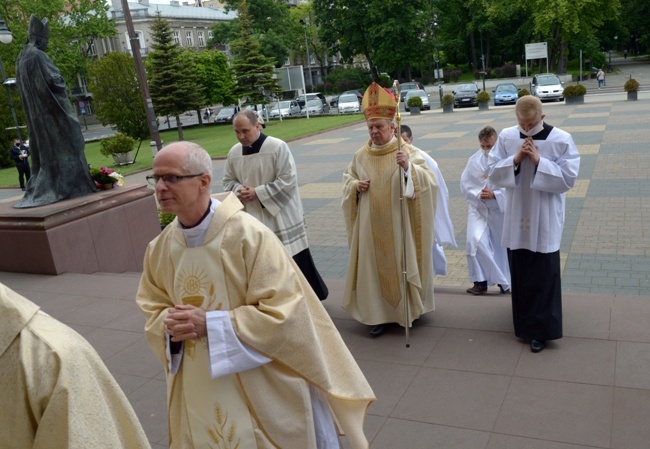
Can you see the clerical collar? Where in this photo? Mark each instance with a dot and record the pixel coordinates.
(256, 147)
(205, 214)
(542, 135)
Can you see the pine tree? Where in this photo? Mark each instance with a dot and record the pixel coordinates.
(172, 78)
(253, 71)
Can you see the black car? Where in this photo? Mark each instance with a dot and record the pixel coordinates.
(465, 95)
(226, 115)
(405, 87)
(335, 102)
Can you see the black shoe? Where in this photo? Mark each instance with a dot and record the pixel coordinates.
(537, 345)
(377, 330)
(22, 188)
(477, 289)
(503, 292)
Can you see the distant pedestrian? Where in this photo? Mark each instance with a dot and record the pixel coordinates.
(19, 153)
(625, 54)
(600, 76)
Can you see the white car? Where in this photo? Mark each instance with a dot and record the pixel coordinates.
(315, 107)
(348, 104)
(287, 108)
(547, 87)
(417, 93)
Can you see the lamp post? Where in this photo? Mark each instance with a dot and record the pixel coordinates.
(6, 37)
(311, 80)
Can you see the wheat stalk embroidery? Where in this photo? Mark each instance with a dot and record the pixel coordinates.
(223, 434)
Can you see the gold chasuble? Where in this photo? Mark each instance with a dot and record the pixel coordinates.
(243, 268)
(373, 292)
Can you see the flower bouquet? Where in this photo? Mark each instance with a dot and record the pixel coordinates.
(105, 178)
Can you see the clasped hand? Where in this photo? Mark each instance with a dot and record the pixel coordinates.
(185, 322)
(246, 194)
(527, 150)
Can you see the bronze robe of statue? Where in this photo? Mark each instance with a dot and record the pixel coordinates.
(59, 167)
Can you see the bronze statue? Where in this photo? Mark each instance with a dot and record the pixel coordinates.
(59, 167)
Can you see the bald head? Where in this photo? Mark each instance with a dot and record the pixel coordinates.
(184, 173)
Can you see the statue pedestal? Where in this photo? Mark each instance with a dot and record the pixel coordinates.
(107, 231)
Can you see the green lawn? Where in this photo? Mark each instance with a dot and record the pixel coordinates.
(216, 139)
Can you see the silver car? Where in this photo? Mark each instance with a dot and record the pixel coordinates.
(547, 87)
(315, 107)
(417, 93)
(348, 103)
(287, 108)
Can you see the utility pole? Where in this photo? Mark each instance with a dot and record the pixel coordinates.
(142, 79)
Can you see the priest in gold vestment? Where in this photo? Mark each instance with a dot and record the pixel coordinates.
(56, 391)
(252, 359)
(374, 293)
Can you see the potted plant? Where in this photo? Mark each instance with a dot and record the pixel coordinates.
(631, 86)
(483, 100)
(105, 178)
(447, 103)
(414, 104)
(574, 94)
(523, 92)
(119, 146)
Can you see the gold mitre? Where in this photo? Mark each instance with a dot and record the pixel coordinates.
(378, 103)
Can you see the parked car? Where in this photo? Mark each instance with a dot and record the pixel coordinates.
(465, 95)
(405, 87)
(547, 87)
(288, 108)
(312, 96)
(348, 103)
(225, 115)
(315, 107)
(417, 93)
(505, 93)
(335, 102)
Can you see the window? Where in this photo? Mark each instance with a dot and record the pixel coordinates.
(200, 38)
(140, 40)
(177, 37)
(209, 34)
(189, 39)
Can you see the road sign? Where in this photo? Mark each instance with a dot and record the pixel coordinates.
(82, 104)
(83, 111)
(537, 50)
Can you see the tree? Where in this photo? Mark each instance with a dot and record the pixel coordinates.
(173, 80)
(214, 76)
(253, 71)
(269, 22)
(116, 95)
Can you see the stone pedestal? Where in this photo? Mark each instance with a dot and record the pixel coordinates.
(107, 231)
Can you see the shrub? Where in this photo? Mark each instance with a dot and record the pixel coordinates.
(574, 90)
(454, 75)
(509, 70)
(523, 92)
(115, 144)
(631, 85)
(483, 97)
(165, 218)
(414, 102)
(448, 99)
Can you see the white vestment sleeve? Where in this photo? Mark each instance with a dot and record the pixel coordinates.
(227, 354)
(409, 191)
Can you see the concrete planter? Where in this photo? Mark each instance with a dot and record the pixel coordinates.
(483, 106)
(578, 99)
(447, 108)
(632, 96)
(414, 110)
(123, 158)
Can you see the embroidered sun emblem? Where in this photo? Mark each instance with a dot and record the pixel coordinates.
(193, 281)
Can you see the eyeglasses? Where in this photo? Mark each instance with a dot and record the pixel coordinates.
(169, 179)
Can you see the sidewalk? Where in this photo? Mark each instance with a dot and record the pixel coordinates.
(465, 382)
